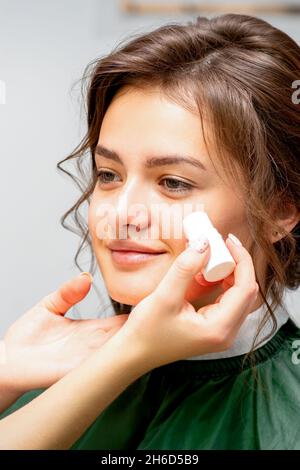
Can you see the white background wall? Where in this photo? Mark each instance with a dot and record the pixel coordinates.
(44, 47)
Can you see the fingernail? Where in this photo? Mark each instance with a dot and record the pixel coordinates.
(234, 239)
(201, 244)
(87, 274)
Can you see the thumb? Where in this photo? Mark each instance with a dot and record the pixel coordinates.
(175, 283)
(70, 293)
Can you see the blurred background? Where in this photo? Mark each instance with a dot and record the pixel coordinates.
(44, 48)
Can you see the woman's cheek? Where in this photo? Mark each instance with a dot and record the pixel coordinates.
(97, 223)
(194, 290)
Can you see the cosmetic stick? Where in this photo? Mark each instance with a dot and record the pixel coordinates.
(221, 262)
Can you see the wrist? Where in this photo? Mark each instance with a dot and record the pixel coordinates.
(7, 380)
(129, 352)
(8, 394)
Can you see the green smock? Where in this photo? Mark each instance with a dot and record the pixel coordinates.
(209, 404)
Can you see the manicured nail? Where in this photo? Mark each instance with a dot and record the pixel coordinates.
(234, 239)
(87, 274)
(201, 244)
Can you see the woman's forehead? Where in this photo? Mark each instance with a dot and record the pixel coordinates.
(146, 123)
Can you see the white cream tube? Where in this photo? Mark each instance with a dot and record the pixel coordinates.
(220, 263)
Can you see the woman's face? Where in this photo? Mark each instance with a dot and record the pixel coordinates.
(138, 125)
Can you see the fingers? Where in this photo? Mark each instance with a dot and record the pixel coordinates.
(235, 302)
(226, 284)
(172, 288)
(70, 293)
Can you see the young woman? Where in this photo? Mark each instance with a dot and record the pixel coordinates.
(203, 112)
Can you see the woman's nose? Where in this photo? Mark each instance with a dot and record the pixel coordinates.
(130, 210)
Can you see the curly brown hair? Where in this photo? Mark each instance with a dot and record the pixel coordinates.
(240, 70)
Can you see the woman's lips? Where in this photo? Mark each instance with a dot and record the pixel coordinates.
(132, 257)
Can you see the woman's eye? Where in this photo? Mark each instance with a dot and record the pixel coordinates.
(178, 185)
(104, 180)
(173, 185)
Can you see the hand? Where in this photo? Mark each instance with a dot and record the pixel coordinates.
(42, 345)
(165, 327)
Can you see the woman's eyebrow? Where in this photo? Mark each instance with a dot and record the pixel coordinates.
(152, 162)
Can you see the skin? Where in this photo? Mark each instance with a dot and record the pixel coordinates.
(139, 123)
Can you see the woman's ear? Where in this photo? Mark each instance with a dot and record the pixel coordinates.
(287, 217)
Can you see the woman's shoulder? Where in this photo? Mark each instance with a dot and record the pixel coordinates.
(230, 404)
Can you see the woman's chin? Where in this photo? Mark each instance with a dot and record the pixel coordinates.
(131, 290)
(127, 301)
(129, 297)
(196, 294)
